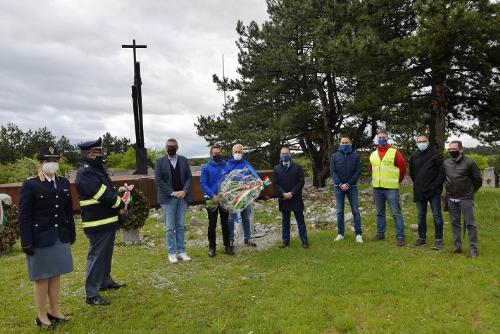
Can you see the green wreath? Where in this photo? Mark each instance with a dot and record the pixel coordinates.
(9, 233)
(138, 211)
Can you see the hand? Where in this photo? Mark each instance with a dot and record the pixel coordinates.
(181, 194)
(123, 210)
(29, 250)
(287, 195)
(216, 198)
(344, 187)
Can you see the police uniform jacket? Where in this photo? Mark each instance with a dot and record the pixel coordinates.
(99, 202)
(45, 213)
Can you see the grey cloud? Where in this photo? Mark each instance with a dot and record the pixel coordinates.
(63, 67)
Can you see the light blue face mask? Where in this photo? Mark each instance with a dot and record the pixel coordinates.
(382, 142)
(422, 146)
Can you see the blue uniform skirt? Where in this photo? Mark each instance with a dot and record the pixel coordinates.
(50, 261)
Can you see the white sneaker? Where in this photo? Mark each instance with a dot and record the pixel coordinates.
(184, 257)
(172, 258)
(359, 238)
(339, 237)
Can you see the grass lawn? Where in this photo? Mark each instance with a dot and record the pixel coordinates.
(344, 287)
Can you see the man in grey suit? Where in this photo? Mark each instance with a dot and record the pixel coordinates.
(173, 177)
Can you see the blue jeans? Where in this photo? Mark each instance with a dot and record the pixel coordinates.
(352, 196)
(381, 195)
(245, 220)
(285, 224)
(435, 202)
(175, 213)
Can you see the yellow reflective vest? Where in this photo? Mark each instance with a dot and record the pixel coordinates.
(384, 173)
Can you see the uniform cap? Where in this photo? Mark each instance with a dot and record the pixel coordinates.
(48, 153)
(90, 144)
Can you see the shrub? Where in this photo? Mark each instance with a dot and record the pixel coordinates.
(10, 233)
(481, 160)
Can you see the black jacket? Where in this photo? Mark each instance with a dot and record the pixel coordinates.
(289, 180)
(45, 213)
(92, 183)
(427, 173)
(463, 178)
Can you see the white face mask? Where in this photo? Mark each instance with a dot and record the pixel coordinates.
(50, 167)
(238, 156)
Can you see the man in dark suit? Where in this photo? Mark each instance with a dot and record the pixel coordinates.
(173, 178)
(288, 178)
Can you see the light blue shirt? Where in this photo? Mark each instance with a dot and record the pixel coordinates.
(173, 160)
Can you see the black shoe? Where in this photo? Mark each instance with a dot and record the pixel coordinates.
(97, 300)
(400, 242)
(305, 245)
(40, 324)
(473, 252)
(250, 243)
(211, 252)
(56, 319)
(229, 250)
(419, 242)
(438, 244)
(458, 249)
(378, 237)
(113, 286)
(284, 245)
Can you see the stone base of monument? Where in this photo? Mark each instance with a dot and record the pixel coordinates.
(130, 237)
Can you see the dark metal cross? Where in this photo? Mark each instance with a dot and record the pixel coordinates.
(134, 46)
(140, 151)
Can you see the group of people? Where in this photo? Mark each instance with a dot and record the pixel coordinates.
(47, 227)
(428, 170)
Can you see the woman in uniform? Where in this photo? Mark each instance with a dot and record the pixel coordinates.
(47, 230)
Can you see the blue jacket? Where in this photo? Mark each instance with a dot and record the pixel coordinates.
(345, 168)
(232, 164)
(163, 178)
(210, 175)
(45, 213)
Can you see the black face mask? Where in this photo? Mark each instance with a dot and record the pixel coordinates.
(98, 162)
(217, 158)
(454, 154)
(171, 151)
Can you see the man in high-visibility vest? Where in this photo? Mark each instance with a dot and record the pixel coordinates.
(100, 206)
(388, 169)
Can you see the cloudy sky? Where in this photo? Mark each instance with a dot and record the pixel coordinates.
(62, 65)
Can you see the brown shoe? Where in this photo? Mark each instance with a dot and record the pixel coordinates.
(378, 237)
(458, 249)
(400, 242)
(473, 252)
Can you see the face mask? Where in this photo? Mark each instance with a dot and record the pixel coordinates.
(50, 167)
(422, 146)
(238, 156)
(382, 142)
(171, 151)
(99, 159)
(286, 158)
(217, 158)
(345, 148)
(454, 154)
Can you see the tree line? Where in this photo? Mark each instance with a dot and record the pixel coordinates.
(16, 144)
(317, 69)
